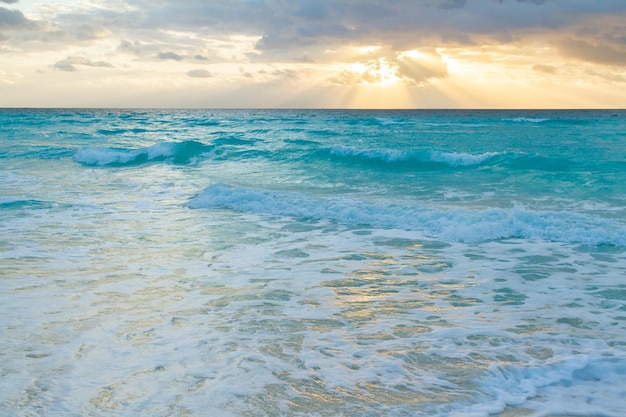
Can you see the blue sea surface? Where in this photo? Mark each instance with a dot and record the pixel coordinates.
(312, 263)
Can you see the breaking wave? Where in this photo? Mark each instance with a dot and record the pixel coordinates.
(175, 152)
(390, 156)
(461, 225)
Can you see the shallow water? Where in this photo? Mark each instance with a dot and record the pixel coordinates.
(254, 263)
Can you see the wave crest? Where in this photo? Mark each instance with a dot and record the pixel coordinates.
(461, 225)
(527, 120)
(176, 152)
(390, 156)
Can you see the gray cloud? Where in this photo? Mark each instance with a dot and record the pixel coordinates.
(600, 53)
(170, 55)
(128, 47)
(199, 73)
(69, 64)
(310, 10)
(537, 2)
(65, 66)
(8, 1)
(90, 31)
(608, 76)
(291, 29)
(453, 4)
(304, 23)
(420, 71)
(405, 25)
(13, 19)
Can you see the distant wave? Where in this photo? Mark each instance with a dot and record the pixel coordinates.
(176, 152)
(452, 159)
(113, 131)
(460, 225)
(25, 204)
(458, 124)
(527, 119)
(390, 121)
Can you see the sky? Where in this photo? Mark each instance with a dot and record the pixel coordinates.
(313, 53)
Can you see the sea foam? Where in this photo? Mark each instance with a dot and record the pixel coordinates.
(569, 387)
(455, 224)
(390, 156)
(527, 119)
(177, 152)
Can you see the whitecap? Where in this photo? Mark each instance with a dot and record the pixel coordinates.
(458, 224)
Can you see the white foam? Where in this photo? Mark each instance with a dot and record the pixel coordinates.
(386, 155)
(388, 121)
(527, 120)
(162, 150)
(462, 225)
(576, 386)
(453, 159)
(104, 156)
(460, 159)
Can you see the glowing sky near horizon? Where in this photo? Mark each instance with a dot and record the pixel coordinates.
(321, 54)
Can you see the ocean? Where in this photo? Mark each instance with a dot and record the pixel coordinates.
(312, 263)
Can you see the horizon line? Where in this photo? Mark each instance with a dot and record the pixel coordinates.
(542, 109)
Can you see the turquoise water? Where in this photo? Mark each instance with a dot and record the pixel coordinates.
(318, 263)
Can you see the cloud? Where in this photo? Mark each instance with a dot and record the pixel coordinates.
(287, 30)
(8, 1)
(130, 47)
(546, 69)
(170, 55)
(608, 76)
(245, 73)
(600, 53)
(453, 4)
(384, 65)
(537, 2)
(199, 73)
(285, 27)
(421, 67)
(310, 10)
(13, 19)
(69, 64)
(90, 31)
